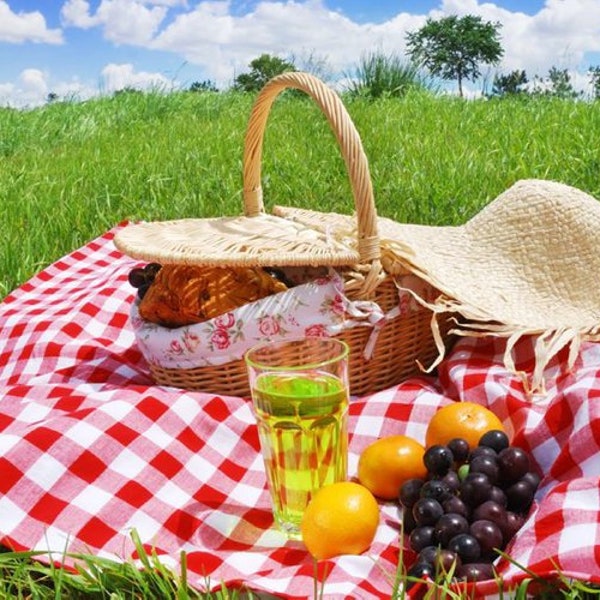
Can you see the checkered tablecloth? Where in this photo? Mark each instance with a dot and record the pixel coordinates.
(91, 450)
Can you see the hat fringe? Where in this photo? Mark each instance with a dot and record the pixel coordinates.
(474, 323)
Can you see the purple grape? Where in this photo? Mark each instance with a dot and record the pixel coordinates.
(497, 495)
(475, 489)
(460, 449)
(451, 480)
(438, 459)
(428, 555)
(475, 572)
(142, 290)
(437, 489)
(482, 451)
(513, 463)
(533, 478)
(440, 559)
(519, 496)
(137, 277)
(455, 505)
(490, 511)
(466, 546)
(495, 439)
(408, 521)
(514, 522)
(420, 570)
(420, 537)
(448, 526)
(151, 270)
(410, 492)
(489, 536)
(486, 465)
(427, 511)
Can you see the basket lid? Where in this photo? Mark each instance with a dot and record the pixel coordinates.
(261, 240)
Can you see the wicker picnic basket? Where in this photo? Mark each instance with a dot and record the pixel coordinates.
(404, 343)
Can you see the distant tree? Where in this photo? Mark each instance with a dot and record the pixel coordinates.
(128, 91)
(557, 84)
(511, 84)
(262, 69)
(594, 73)
(454, 48)
(203, 86)
(51, 97)
(561, 83)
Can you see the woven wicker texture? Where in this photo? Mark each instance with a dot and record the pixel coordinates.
(403, 344)
(258, 239)
(527, 264)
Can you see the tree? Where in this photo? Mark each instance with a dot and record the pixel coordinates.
(560, 80)
(263, 68)
(557, 84)
(594, 73)
(203, 86)
(454, 48)
(510, 85)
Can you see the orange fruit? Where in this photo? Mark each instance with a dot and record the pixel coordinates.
(466, 420)
(387, 463)
(341, 518)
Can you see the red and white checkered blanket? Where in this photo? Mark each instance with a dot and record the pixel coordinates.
(90, 449)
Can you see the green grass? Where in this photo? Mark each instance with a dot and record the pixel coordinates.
(70, 171)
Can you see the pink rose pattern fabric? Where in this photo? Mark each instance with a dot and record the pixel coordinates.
(316, 308)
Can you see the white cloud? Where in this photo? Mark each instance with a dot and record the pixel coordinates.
(117, 77)
(26, 27)
(560, 34)
(123, 21)
(209, 35)
(34, 81)
(76, 13)
(223, 44)
(33, 86)
(222, 41)
(170, 3)
(31, 89)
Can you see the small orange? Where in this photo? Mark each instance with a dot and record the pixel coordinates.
(466, 420)
(341, 518)
(388, 462)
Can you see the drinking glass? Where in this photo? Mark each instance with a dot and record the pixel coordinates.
(300, 396)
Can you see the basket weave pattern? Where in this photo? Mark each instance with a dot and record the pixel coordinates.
(405, 340)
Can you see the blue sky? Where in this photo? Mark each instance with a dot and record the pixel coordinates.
(81, 48)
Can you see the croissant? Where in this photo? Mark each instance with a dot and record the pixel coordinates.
(183, 294)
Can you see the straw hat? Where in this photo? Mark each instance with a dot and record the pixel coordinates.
(528, 263)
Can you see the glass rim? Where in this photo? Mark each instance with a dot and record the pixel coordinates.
(343, 354)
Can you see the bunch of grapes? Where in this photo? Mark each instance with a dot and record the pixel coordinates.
(142, 277)
(469, 507)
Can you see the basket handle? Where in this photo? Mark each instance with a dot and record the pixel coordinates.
(350, 145)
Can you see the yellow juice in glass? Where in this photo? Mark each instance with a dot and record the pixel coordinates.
(302, 425)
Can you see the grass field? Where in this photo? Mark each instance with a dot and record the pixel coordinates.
(70, 171)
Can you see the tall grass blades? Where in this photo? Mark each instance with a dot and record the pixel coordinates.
(385, 76)
(70, 171)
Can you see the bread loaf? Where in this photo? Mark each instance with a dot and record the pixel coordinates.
(183, 294)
